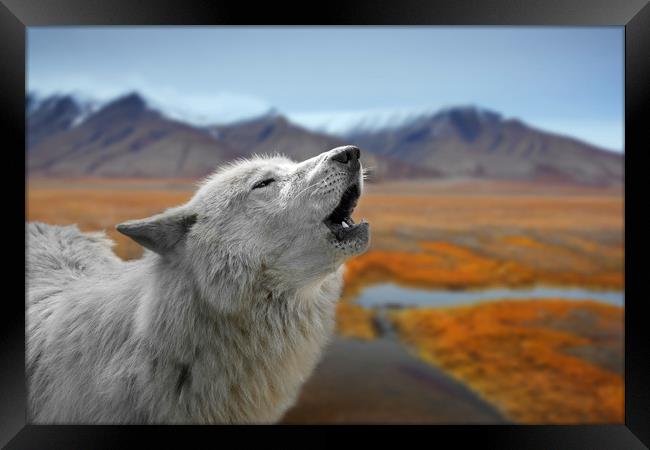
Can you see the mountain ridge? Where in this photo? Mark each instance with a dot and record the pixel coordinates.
(129, 136)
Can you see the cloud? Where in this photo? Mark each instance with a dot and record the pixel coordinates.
(343, 122)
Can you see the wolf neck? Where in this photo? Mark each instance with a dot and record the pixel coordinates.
(244, 365)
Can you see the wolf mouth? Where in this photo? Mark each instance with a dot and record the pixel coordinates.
(340, 221)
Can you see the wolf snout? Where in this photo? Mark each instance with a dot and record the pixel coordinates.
(348, 155)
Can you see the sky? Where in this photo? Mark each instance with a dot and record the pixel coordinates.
(563, 79)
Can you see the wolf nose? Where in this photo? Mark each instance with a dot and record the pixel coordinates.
(348, 153)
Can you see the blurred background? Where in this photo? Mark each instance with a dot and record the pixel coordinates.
(493, 289)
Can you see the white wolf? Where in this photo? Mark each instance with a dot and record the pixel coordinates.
(222, 319)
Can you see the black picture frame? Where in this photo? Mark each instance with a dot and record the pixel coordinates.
(634, 15)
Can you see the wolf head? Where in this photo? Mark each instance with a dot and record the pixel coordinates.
(264, 217)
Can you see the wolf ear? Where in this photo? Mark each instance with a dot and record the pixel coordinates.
(161, 232)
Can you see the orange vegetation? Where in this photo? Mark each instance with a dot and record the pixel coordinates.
(520, 356)
(354, 321)
(461, 235)
(446, 265)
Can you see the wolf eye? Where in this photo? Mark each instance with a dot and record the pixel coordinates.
(263, 183)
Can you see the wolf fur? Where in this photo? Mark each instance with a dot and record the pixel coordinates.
(221, 320)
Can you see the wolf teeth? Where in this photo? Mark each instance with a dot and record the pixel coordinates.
(345, 225)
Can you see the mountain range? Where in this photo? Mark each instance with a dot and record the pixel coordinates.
(68, 136)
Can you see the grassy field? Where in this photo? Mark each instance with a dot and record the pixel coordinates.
(556, 361)
(100, 205)
(480, 234)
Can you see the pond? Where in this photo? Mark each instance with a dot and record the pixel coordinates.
(388, 294)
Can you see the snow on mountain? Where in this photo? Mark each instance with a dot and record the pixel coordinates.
(346, 123)
(84, 104)
(349, 124)
(199, 111)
